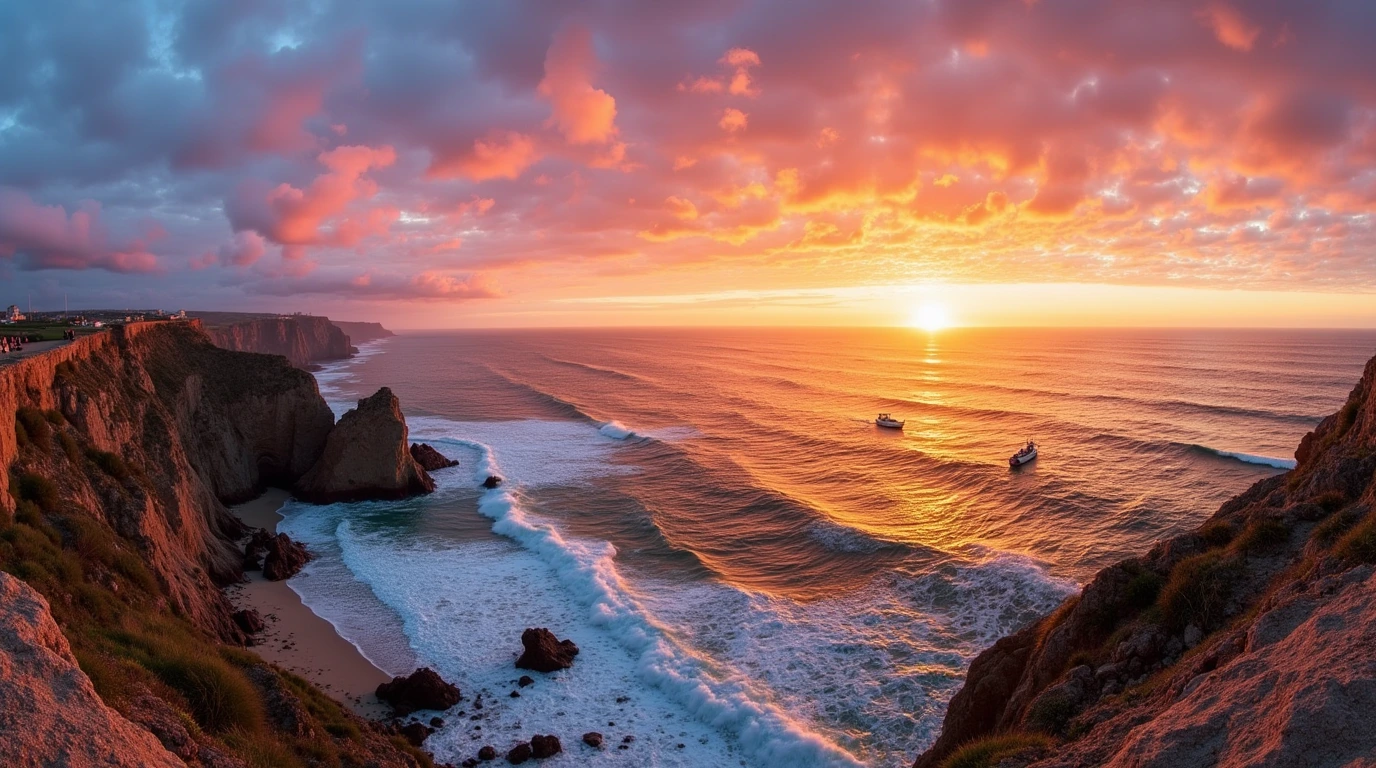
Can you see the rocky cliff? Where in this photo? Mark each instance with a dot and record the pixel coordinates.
(361, 333)
(367, 456)
(302, 339)
(121, 450)
(1251, 641)
(46, 693)
(151, 429)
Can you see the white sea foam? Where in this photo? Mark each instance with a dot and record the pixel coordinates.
(715, 696)
(1269, 461)
(616, 430)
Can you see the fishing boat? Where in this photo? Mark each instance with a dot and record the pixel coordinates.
(1028, 453)
(889, 422)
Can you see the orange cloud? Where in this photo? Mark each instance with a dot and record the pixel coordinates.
(502, 155)
(733, 120)
(584, 114)
(1230, 27)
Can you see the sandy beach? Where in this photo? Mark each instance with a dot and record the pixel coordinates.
(296, 639)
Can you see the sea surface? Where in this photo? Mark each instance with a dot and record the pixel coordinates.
(755, 574)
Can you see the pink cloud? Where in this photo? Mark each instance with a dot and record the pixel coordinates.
(584, 114)
(290, 216)
(1230, 27)
(733, 120)
(47, 237)
(502, 155)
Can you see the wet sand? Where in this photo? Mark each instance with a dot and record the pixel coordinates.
(298, 640)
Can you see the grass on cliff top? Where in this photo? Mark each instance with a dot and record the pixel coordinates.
(1358, 545)
(1198, 590)
(990, 750)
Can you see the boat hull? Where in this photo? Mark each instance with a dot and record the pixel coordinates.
(1018, 461)
(889, 425)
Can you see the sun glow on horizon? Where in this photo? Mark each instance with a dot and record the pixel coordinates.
(930, 317)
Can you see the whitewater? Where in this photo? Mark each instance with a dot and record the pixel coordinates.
(731, 602)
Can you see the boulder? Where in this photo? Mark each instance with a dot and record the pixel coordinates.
(491, 482)
(415, 733)
(366, 457)
(487, 753)
(544, 652)
(542, 747)
(519, 754)
(525, 680)
(282, 557)
(422, 689)
(430, 459)
(249, 621)
(593, 739)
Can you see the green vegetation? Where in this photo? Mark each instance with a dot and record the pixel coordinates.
(1335, 526)
(37, 489)
(1262, 534)
(35, 427)
(1217, 533)
(988, 751)
(1358, 545)
(1144, 588)
(1331, 501)
(111, 464)
(1198, 591)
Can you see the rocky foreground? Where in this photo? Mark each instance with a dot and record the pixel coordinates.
(1249, 642)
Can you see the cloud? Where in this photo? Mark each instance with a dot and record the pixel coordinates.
(47, 237)
(1230, 27)
(584, 114)
(429, 285)
(502, 155)
(733, 120)
(290, 216)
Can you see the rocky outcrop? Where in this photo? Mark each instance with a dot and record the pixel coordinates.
(362, 333)
(49, 712)
(430, 459)
(544, 652)
(542, 747)
(366, 457)
(278, 556)
(1250, 641)
(422, 689)
(302, 339)
(151, 430)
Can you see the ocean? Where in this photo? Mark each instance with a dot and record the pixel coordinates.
(755, 574)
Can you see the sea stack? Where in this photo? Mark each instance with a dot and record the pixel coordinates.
(366, 456)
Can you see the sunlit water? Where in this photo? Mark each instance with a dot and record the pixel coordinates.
(755, 573)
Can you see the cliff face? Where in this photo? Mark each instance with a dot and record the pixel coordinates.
(303, 340)
(367, 457)
(46, 693)
(1251, 641)
(150, 428)
(120, 451)
(360, 333)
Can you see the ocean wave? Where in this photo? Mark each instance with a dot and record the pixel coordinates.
(616, 430)
(762, 730)
(1248, 458)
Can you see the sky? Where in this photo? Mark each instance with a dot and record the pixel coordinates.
(438, 163)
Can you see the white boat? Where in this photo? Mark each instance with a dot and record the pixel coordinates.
(885, 420)
(1028, 453)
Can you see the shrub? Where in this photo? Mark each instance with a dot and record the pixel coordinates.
(1217, 533)
(1144, 588)
(69, 447)
(55, 417)
(109, 463)
(1335, 526)
(1198, 591)
(220, 697)
(1050, 713)
(40, 490)
(988, 751)
(1358, 545)
(35, 426)
(21, 436)
(1331, 501)
(28, 513)
(1262, 534)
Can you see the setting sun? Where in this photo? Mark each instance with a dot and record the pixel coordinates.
(930, 317)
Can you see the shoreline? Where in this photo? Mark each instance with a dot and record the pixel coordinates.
(295, 638)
